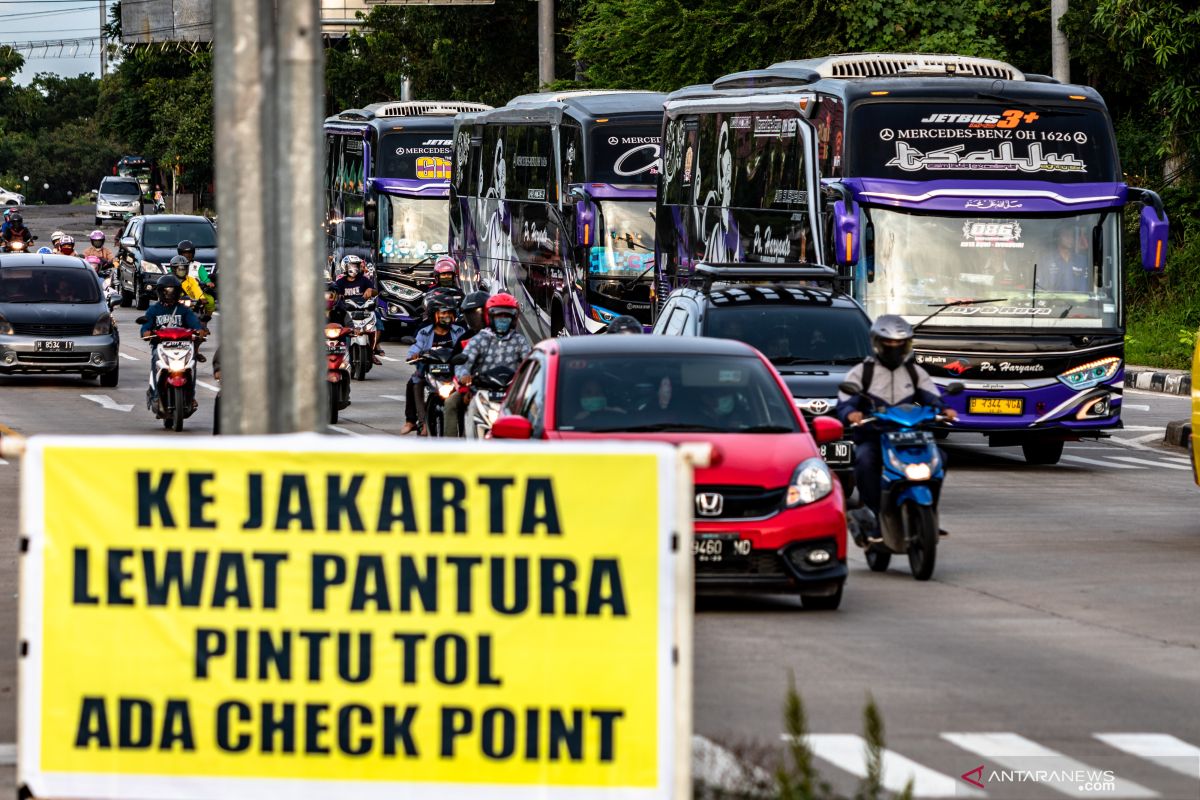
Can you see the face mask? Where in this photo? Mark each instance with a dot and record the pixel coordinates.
(502, 324)
(593, 404)
(725, 404)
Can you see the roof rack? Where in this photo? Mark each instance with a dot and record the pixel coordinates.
(883, 65)
(425, 108)
(739, 272)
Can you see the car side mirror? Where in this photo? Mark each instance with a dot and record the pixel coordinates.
(954, 388)
(846, 234)
(1153, 232)
(827, 430)
(849, 388)
(114, 301)
(128, 242)
(514, 427)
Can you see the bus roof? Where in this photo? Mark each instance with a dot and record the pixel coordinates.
(881, 65)
(417, 114)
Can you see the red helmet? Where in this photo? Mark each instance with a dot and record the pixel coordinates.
(500, 302)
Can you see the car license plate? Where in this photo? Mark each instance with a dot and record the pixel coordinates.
(52, 345)
(996, 405)
(838, 454)
(717, 548)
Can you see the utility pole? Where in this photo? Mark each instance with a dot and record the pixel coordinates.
(1060, 49)
(103, 49)
(545, 43)
(268, 97)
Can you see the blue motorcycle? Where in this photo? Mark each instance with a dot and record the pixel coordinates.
(913, 471)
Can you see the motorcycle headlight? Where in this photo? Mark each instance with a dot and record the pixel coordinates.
(1091, 374)
(103, 325)
(918, 472)
(150, 266)
(811, 481)
(445, 390)
(6, 328)
(400, 290)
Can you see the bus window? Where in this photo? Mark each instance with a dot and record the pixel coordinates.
(528, 154)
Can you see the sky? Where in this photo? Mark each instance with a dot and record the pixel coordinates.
(41, 20)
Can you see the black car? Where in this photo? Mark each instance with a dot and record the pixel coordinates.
(147, 246)
(54, 318)
(812, 335)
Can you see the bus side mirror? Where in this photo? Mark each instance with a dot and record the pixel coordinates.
(585, 222)
(370, 215)
(846, 234)
(1153, 233)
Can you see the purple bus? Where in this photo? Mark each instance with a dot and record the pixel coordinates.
(552, 201)
(389, 165)
(987, 207)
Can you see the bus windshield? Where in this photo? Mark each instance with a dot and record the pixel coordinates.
(932, 140)
(1034, 273)
(627, 246)
(411, 229)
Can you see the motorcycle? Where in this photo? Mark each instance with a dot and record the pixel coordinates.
(198, 307)
(439, 386)
(174, 375)
(338, 368)
(490, 387)
(911, 484)
(18, 245)
(360, 312)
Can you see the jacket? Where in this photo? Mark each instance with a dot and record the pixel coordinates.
(177, 316)
(424, 341)
(908, 383)
(486, 350)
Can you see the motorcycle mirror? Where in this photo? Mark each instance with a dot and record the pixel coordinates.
(461, 358)
(849, 388)
(141, 320)
(407, 340)
(954, 388)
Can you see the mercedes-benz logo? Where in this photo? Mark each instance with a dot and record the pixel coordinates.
(613, 140)
(887, 134)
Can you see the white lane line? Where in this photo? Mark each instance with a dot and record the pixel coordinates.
(104, 401)
(848, 752)
(128, 357)
(1158, 428)
(209, 386)
(1015, 752)
(716, 767)
(342, 430)
(3, 463)
(8, 754)
(1134, 407)
(1095, 462)
(1161, 748)
(1178, 460)
(1150, 463)
(392, 397)
(388, 358)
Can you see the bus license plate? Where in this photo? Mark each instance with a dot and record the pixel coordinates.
(1014, 406)
(717, 548)
(53, 344)
(838, 454)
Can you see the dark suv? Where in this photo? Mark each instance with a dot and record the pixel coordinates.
(812, 335)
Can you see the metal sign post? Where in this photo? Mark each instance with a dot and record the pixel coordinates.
(268, 111)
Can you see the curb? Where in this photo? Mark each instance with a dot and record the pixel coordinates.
(1150, 380)
(1179, 433)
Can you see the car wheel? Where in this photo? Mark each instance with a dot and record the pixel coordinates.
(824, 602)
(10, 203)
(109, 379)
(140, 300)
(99, 222)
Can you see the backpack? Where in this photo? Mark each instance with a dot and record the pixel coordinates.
(868, 373)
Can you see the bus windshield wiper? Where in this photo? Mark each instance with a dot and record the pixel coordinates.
(955, 304)
(790, 362)
(1028, 104)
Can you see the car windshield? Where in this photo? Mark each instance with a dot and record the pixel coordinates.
(129, 187)
(48, 285)
(795, 334)
(170, 234)
(1032, 272)
(412, 229)
(627, 246)
(647, 393)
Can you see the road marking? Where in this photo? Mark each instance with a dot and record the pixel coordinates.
(388, 358)
(717, 768)
(393, 397)
(1134, 407)
(1157, 428)
(209, 386)
(1178, 460)
(3, 463)
(8, 754)
(1095, 462)
(848, 752)
(128, 357)
(1150, 463)
(345, 431)
(1015, 752)
(1161, 748)
(104, 401)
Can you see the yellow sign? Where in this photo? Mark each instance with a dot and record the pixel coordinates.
(276, 617)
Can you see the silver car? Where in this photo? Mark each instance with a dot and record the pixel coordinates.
(118, 197)
(54, 318)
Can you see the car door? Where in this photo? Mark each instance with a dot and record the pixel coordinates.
(128, 259)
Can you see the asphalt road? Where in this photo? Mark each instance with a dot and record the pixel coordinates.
(1064, 608)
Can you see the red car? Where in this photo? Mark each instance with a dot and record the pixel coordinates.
(769, 514)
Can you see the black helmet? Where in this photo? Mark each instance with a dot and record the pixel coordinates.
(16, 219)
(892, 340)
(186, 247)
(475, 301)
(169, 289)
(443, 302)
(624, 324)
(180, 263)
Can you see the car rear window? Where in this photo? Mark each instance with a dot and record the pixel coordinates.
(48, 285)
(169, 234)
(795, 334)
(121, 187)
(702, 392)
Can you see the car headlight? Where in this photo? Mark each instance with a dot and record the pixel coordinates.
(150, 266)
(400, 290)
(811, 481)
(103, 325)
(6, 328)
(1091, 374)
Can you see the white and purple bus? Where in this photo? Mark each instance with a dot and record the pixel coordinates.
(987, 207)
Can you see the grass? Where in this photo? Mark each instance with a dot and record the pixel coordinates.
(1162, 337)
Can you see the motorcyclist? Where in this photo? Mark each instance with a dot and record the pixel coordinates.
(203, 303)
(4, 226)
(355, 282)
(443, 332)
(624, 324)
(17, 230)
(55, 238)
(445, 284)
(195, 268)
(891, 376)
(98, 249)
(471, 317)
(167, 312)
(66, 246)
(498, 345)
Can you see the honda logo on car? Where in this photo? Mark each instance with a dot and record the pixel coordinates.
(709, 504)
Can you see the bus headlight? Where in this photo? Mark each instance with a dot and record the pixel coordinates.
(811, 481)
(1091, 374)
(400, 290)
